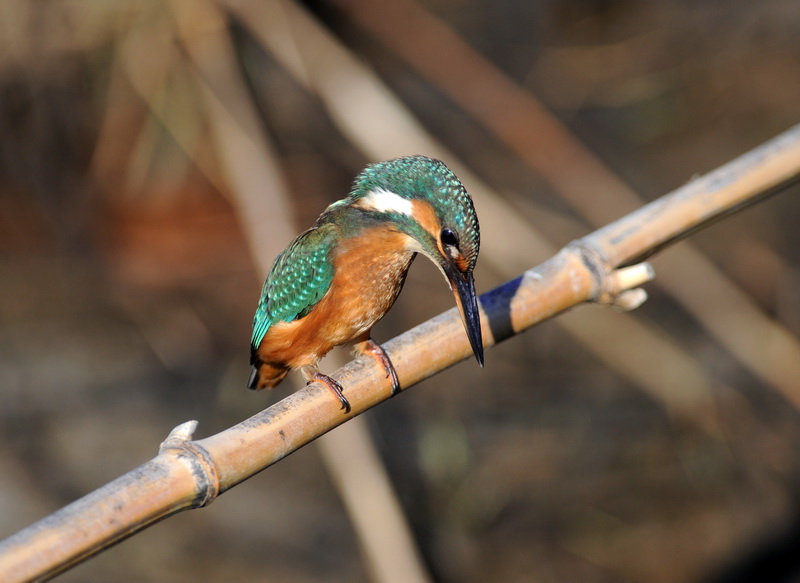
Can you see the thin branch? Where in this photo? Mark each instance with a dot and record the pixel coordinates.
(189, 474)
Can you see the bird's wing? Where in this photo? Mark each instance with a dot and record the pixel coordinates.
(299, 278)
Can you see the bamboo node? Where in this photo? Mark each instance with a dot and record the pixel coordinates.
(613, 286)
(621, 289)
(179, 442)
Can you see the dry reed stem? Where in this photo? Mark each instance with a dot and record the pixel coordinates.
(189, 474)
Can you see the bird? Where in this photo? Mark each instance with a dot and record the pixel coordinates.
(336, 280)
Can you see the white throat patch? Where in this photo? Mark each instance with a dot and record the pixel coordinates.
(385, 201)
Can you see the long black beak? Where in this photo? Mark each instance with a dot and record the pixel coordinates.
(463, 286)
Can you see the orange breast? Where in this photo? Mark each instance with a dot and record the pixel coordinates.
(369, 274)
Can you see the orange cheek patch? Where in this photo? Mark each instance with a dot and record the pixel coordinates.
(425, 215)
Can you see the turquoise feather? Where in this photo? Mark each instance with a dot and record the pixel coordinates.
(298, 280)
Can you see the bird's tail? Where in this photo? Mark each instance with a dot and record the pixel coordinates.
(265, 375)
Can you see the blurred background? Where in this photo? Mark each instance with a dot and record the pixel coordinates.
(155, 156)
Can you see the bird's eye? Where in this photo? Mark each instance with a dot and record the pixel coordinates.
(449, 238)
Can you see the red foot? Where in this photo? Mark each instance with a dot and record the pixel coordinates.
(333, 386)
(378, 353)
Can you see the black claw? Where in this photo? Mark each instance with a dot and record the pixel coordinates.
(333, 386)
(377, 351)
(390, 372)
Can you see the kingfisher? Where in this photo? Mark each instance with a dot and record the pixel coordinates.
(337, 279)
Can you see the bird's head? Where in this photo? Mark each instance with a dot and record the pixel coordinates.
(422, 198)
